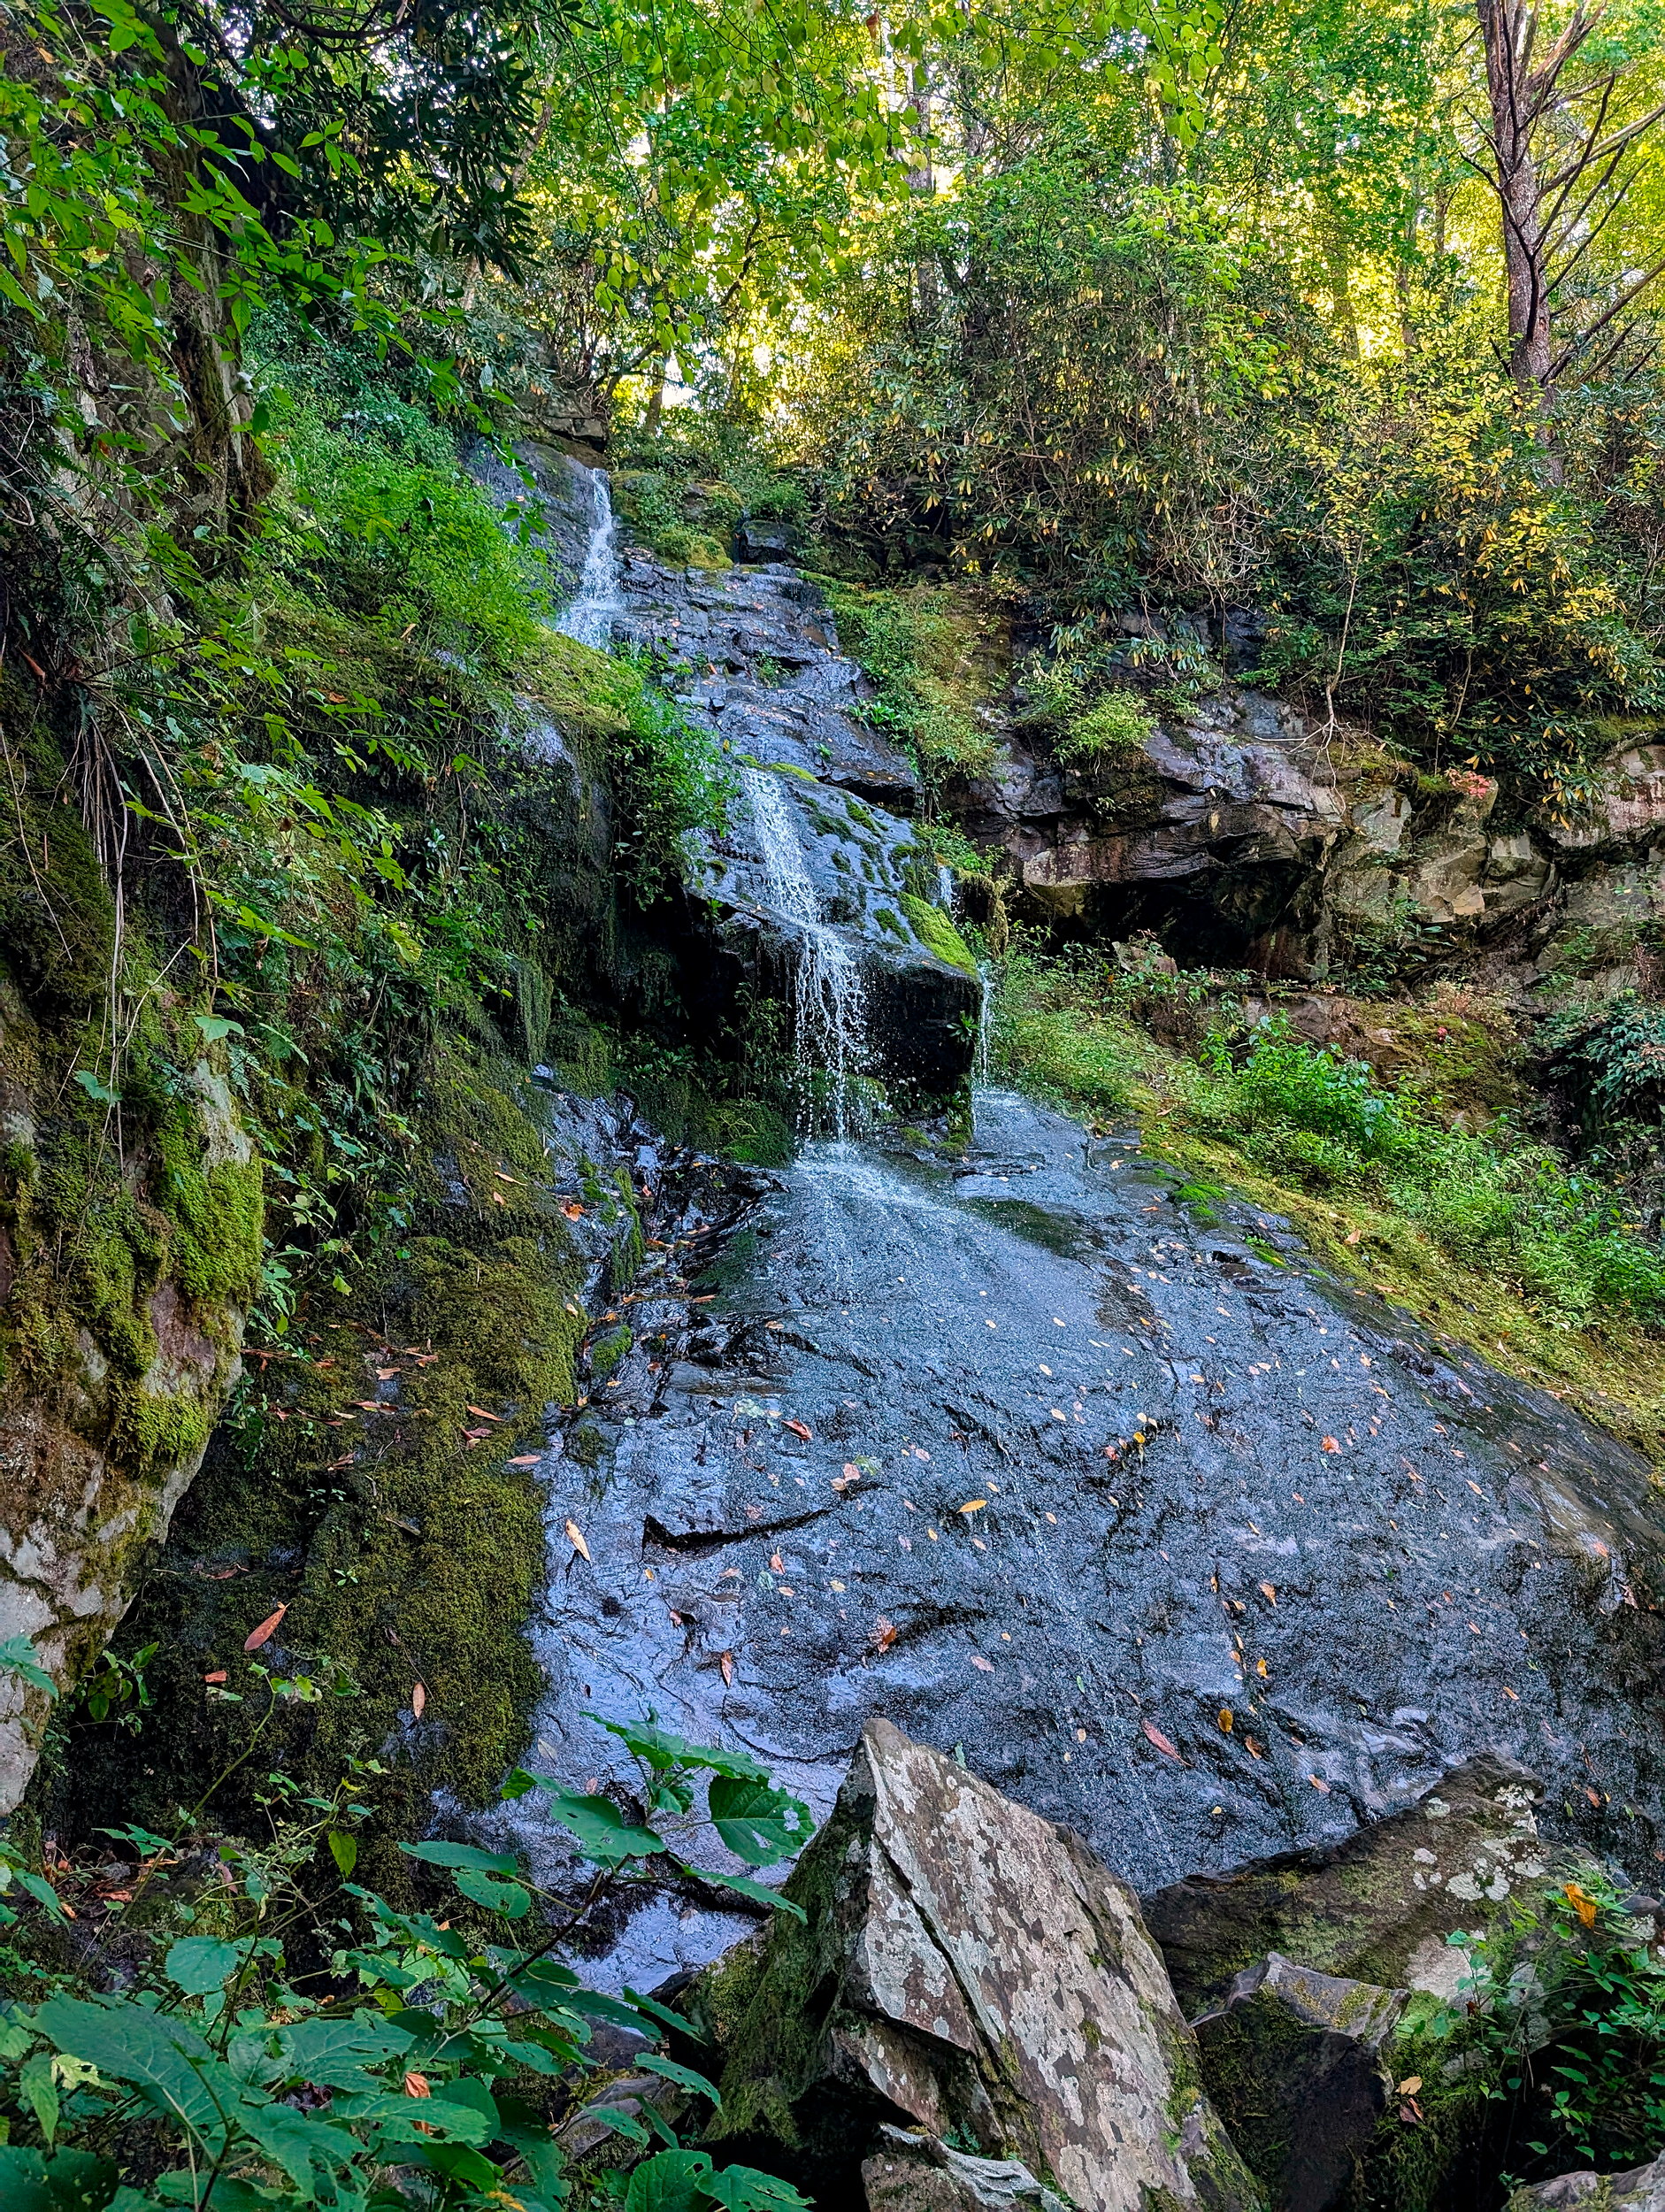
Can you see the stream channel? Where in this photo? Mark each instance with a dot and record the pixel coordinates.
(1164, 1531)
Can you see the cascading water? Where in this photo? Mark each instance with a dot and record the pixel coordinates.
(589, 619)
(829, 1003)
(946, 887)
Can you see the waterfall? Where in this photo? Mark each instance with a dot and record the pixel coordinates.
(829, 1004)
(946, 885)
(985, 1022)
(589, 619)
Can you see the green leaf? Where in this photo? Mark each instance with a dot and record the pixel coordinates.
(344, 1848)
(214, 1026)
(336, 2052)
(164, 2058)
(673, 2020)
(743, 2189)
(595, 2004)
(508, 1897)
(759, 1893)
(39, 2090)
(618, 2123)
(17, 1655)
(458, 2162)
(58, 2181)
(463, 1855)
(201, 1964)
(602, 1832)
(759, 1824)
(96, 1090)
(661, 1750)
(670, 2181)
(684, 2077)
(309, 2151)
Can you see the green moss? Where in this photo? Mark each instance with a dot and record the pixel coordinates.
(160, 1429)
(607, 1351)
(936, 932)
(217, 1214)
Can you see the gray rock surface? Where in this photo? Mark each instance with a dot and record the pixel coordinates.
(1642, 2189)
(1294, 2061)
(912, 2170)
(1378, 1906)
(973, 1969)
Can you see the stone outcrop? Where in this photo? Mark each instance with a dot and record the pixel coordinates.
(1294, 2061)
(1376, 1908)
(1248, 835)
(1641, 2189)
(914, 2171)
(971, 1971)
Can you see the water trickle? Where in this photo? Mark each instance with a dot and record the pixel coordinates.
(946, 887)
(829, 1004)
(985, 1022)
(590, 618)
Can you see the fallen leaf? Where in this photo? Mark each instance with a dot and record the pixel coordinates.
(850, 1471)
(777, 1563)
(1330, 1444)
(484, 1415)
(1269, 1593)
(1411, 2084)
(572, 1212)
(526, 1459)
(974, 1505)
(1260, 1666)
(726, 1660)
(416, 2086)
(1226, 1719)
(386, 1374)
(1168, 1750)
(1254, 1750)
(497, 1198)
(884, 1633)
(218, 1675)
(1410, 2114)
(257, 1637)
(1593, 1795)
(986, 1665)
(575, 1536)
(419, 1698)
(1353, 1237)
(1509, 1692)
(1319, 1784)
(799, 1428)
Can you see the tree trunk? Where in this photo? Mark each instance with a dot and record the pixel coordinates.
(1507, 27)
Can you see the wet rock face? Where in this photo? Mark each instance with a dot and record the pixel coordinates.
(914, 2171)
(753, 657)
(1085, 1482)
(974, 1969)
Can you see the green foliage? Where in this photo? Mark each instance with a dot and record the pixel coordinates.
(928, 650)
(1116, 722)
(1560, 2020)
(293, 2039)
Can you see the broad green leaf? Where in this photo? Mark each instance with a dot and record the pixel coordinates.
(467, 1854)
(601, 1831)
(661, 1750)
(670, 2181)
(39, 2092)
(507, 1898)
(165, 2060)
(684, 2077)
(341, 2053)
(458, 2162)
(309, 2151)
(598, 2005)
(344, 1848)
(201, 1964)
(618, 2123)
(759, 1893)
(673, 2020)
(17, 1655)
(758, 1824)
(743, 2189)
(55, 2181)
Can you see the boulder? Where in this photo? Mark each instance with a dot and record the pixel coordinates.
(913, 2171)
(969, 1969)
(1376, 1908)
(1640, 2190)
(1294, 2061)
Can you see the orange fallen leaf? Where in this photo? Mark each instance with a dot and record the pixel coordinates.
(1269, 1593)
(1260, 1667)
(416, 2086)
(799, 1428)
(526, 1459)
(1411, 2084)
(1582, 1902)
(386, 1374)
(974, 1505)
(484, 1415)
(1330, 1444)
(218, 1675)
(1593, 1795)
(777, 1563)
(1226, 1719)
(257, 1636)
(576, 1536)
(572, 1212)
(726, 1660)
(1318, 1782)
(1353, 1237)
(419, 1698)
(884, 1633)
(497, 1198)
(1168, 1750)
(1254, 1750)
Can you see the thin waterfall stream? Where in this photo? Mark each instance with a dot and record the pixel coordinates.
(590, 616)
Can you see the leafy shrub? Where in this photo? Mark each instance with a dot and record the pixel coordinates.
(277, 2042)
(923, 649)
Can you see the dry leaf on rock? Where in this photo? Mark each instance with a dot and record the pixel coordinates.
(1168, 1750)
(575, 1537)
(257, 1636)
(419, 1698)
